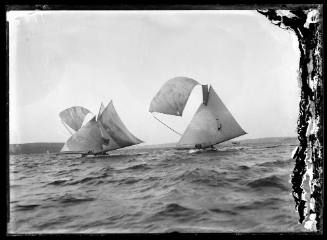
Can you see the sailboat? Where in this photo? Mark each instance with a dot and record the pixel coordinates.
(211, 124)
(101, 134)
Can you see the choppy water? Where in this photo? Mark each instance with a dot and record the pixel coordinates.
(238, 188)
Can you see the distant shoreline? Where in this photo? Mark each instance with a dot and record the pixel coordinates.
(54, 147)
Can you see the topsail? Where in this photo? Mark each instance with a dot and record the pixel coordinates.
(172, 97)
(74, 116)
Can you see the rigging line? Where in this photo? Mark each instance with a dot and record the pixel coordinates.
(167, 126)
(229, 139)
(67, 128)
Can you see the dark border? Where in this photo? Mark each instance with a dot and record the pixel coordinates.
(154, 6)
(122, 6)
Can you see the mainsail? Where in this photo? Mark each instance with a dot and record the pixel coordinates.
(119, 135)
(212, 123)
(172, 97)
(74, 116)
(87, 138)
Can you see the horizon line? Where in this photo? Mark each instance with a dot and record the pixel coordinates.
(165, 142)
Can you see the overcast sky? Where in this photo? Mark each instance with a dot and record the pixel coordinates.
(60, 59)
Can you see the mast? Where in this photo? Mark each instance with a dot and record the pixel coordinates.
(205, 94)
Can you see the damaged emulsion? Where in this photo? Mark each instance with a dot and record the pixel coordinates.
(307, 26)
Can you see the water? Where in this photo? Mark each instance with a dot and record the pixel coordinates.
(241, 188)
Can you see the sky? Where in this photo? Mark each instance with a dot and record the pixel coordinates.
(59, 59)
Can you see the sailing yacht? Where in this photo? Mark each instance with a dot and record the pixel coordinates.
(101, 134)
(212, 123)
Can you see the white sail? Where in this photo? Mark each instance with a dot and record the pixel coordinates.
(101, 110)
(119, 135)
(87, 118)
(212, 124)
(88, 138)
(64, 148)
(109, 143)
(173, 95)
(74, 116)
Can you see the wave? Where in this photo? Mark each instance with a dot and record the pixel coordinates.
(278, 163)
(175, 210)
(152, 179)
(244, 167)
(21, 207)
(112, 220)
(30, 165)
(85, 180)
(67, 198)
(218, 210)
(59, 182)
(275, 146)
(129, 181)
(269, 182)
(74, 164)
(89, 179)
(69, 171)
(142, 166)
(203, 176)
(97, 174)
(273, 203)
(55, 221)
(230, 149)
